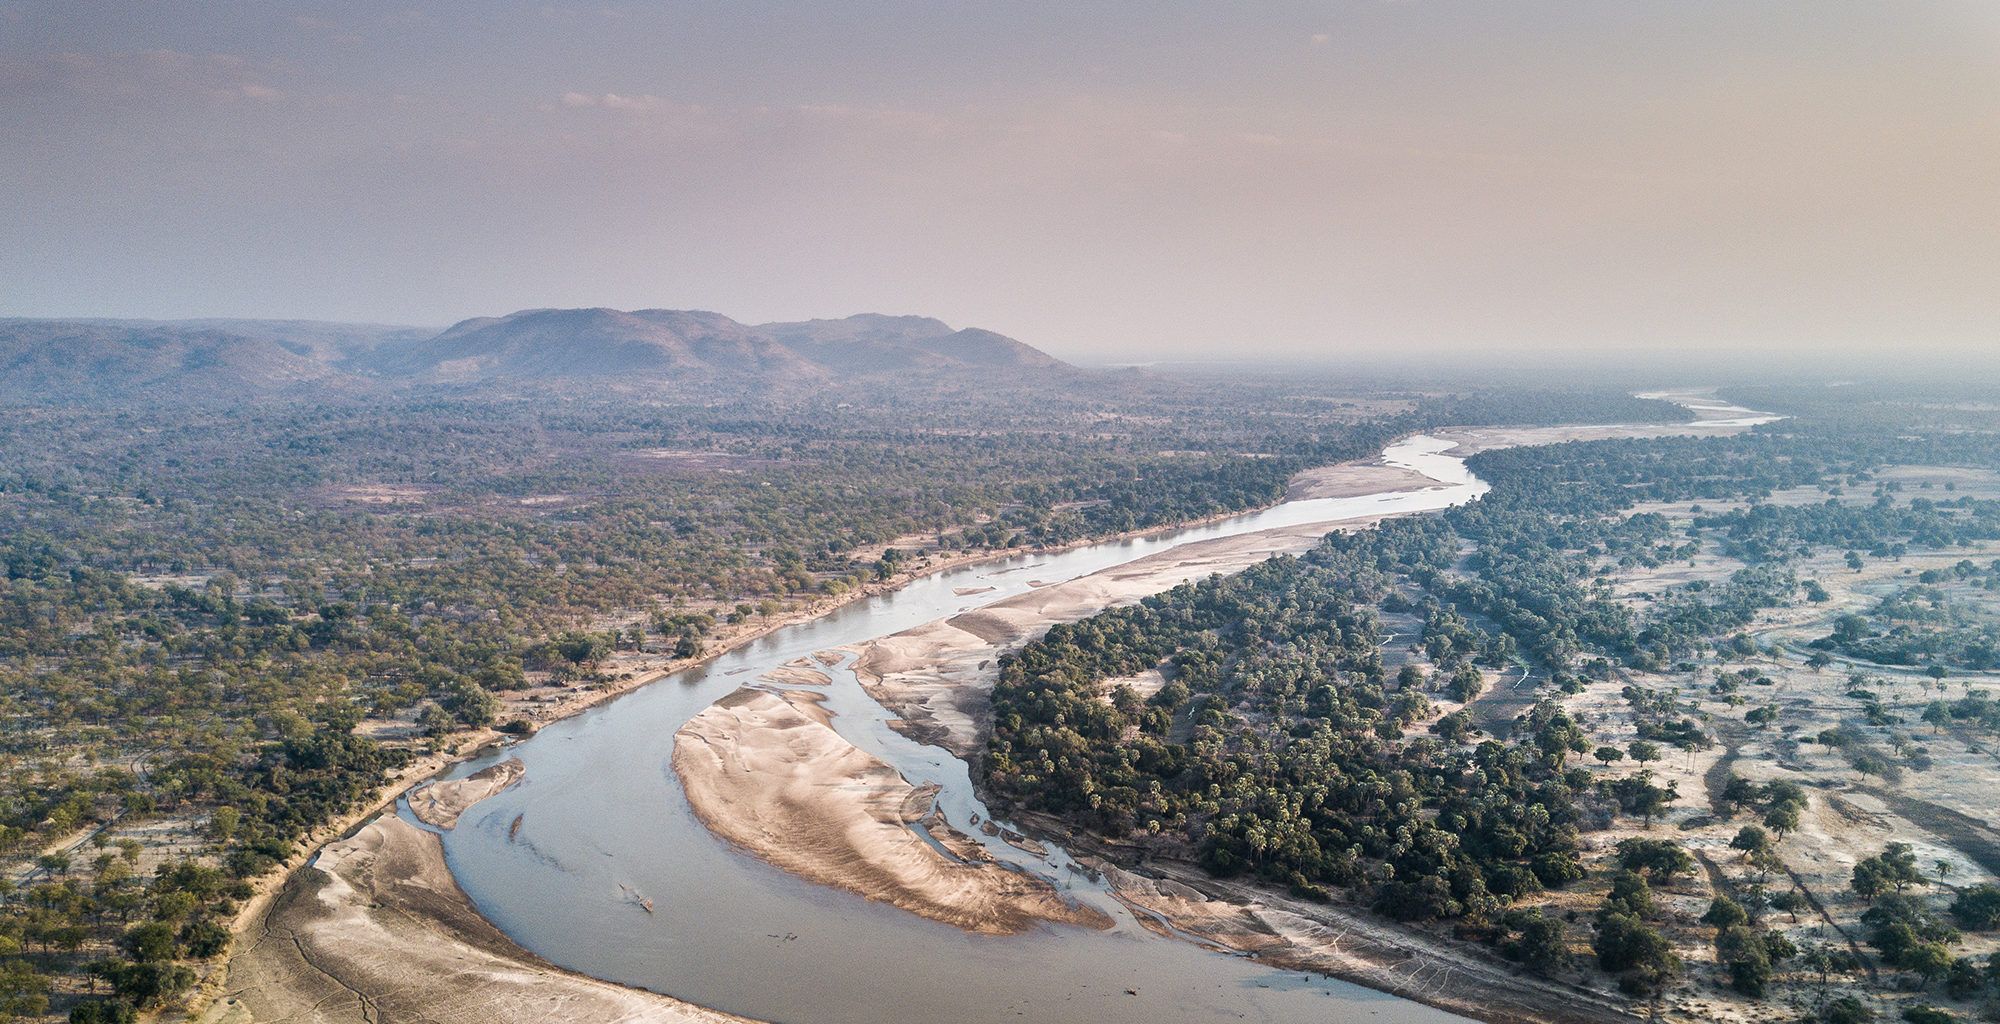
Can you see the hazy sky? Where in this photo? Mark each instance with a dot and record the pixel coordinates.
(1105, 180)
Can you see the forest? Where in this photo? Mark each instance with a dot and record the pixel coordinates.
(1281, 745)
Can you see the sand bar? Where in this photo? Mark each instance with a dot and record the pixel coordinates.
(770, 775)
(377, 930)
(440, 803)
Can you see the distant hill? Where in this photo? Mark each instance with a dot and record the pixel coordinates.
(873, 343)
(93, 362)
(110, 362)
(687, 345)
(542, 344)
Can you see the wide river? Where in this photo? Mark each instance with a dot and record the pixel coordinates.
(603, 824)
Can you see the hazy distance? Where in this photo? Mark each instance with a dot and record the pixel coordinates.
(1302, 182)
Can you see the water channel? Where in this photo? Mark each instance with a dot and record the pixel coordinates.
(603, 825)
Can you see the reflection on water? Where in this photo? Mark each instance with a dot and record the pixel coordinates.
(603, 825)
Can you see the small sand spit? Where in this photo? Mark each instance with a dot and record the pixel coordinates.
(773, 778)
(791, 675)
(381, 914)
(440, 803)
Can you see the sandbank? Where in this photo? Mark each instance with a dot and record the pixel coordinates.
(1294, 935)
(770, 775)
(440, 803)
(379, 931)
(792, 675)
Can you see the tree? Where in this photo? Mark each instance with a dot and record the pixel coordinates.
(1738, 791)
(1901, 860)
(222, 823)
(1637, 795)
(1466, 684)
(1791, 901)
(1872, 877)
(1662, 858)
(435, 721)
(1927, 960)
(470, 703)
(1624, 942)
(1543, 946)
(1629, 894)
(1938, 714)
(1751, 840)
(1869, 764)
(1643, 751)
(1978, 907)
(1724, 913)
(1608, 755)
(1747, 957)
(1783, 819)
(150, 942)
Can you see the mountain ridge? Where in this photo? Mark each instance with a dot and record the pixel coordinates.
(100, 361)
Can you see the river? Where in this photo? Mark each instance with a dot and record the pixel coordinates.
(602, 825)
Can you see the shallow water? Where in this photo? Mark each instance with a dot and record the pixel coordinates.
(604, 825)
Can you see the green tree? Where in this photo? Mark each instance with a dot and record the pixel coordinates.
(1723, 912)
(1978, 907)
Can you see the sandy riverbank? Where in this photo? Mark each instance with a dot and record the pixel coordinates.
(934, 677)
(377, 930)
(769, 774)
(1295, 935)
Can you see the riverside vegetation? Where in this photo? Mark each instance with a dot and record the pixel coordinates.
(221, 627)
(1405, 718)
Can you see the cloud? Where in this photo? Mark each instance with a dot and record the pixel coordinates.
(1321, 39)
(150, 78)
(638, 104)
(613, 101)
